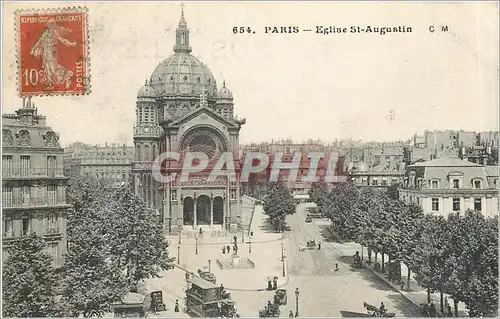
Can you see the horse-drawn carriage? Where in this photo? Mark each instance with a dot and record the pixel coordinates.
(228, 309)
(378, 312)
(270, 311)
(310, 245)
(356, 261)
(280, 297)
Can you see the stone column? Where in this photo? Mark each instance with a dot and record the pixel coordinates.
(195, 222)
(211, 212)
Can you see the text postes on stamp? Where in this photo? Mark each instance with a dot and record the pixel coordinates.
(52, 52)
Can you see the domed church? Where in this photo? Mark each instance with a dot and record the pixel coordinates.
(179, 109)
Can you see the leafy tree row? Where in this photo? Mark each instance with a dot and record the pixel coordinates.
(278, 204)
(456, 255)
(114, 242)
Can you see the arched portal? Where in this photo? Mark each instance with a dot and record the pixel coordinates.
(188, 213)
(203, 210)
(218, 210)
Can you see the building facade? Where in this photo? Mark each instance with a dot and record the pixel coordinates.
(445, 185)
(377, 167)
(111, 163)
(33, 181)
(180, 109)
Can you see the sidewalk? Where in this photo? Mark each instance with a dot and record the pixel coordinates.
(416, 295)
(265, 253)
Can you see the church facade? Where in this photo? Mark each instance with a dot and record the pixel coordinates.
(180, 109)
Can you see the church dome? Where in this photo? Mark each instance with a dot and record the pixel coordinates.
(146, 91)
(184, 74)
(224, 93)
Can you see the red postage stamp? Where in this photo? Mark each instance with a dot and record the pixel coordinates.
(52, 52)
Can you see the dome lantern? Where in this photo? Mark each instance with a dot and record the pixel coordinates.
(182, 35)
(224, 93)
(146, 91)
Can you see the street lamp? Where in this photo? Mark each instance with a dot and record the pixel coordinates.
(178, 254)
(296, 302)
(179, 229)
(196, 242)
(250, 244)
(209, 267)
(283, 259)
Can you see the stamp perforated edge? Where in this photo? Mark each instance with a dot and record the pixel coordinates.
(86, 40)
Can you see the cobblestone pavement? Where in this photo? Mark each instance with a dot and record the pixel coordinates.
(325, 292)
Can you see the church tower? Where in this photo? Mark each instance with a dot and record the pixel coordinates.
(146, 137)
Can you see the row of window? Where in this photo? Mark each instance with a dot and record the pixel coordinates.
(455, 205)
(25, 197)
(375, 182)
(116, 176)
(51, 224)
(106, 161)
(146, 114)
(25, 167)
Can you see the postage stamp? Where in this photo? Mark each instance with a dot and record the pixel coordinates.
(52, 52)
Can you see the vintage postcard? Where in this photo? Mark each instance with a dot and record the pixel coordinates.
(250, 159)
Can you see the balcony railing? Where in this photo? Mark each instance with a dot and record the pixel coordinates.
(20, 173)
(32, 202)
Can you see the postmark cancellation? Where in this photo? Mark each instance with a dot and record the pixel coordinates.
(52, 52)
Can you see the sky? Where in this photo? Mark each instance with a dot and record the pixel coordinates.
(300, 86)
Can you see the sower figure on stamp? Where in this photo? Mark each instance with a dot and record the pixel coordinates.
(46, 46)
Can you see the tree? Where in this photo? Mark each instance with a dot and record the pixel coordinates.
(411, 229)
(29, 280)
(137, 242)
(318, 193)
(480, 258)
(91, 283)
(115, 242)
(341, 203)
(432, 267)
(278, 204)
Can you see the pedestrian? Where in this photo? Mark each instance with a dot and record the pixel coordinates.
(290, 314)
(432, 309)
(269, 285)
(450, 313)
(176, 308)
(275, 284)
(319, 245)
(228, 249)
(336, 267)
(223, 249)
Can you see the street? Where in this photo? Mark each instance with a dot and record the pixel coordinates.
(322, 290)
(325, 292)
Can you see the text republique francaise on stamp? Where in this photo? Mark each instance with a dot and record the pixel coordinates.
(52, 52)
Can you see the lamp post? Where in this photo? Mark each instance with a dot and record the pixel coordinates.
(179, 229)
(283, 259)
(178, 254)
(196, 243)
(296, 302)
(209, 267)
(250, 244)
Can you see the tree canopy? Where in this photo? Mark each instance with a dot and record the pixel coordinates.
(29, 281)
(278, 204)
(115, 241)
